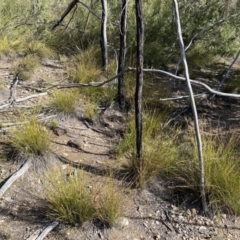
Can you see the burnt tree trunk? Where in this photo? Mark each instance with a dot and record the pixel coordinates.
(139, 83)
(122, 55)
(103, 40)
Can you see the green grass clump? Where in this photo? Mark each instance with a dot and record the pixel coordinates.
(109, 203)
(68, 197)
(159, 150)
(65, 100)
(26, 67)
(31, 139)
(70, 200)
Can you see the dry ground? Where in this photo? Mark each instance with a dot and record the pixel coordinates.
(152, 213)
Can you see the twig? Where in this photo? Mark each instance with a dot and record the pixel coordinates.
(227, 73)
(91, 11)
(24, 99)
(13, 91)
(14, 177)
(182, 97)
(47, 230)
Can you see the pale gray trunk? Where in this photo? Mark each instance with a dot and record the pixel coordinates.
(195, 115)
(104, 35)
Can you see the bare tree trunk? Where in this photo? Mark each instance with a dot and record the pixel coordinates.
(104, 35)
(122, 54)
(139, 82)
(195, 115)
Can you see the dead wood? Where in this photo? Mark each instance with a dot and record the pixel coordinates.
(47, 230)
(67, 11)
(14, 177)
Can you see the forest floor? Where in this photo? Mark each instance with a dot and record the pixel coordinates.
(153, 213)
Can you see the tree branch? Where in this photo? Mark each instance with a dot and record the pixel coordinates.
(69, 8)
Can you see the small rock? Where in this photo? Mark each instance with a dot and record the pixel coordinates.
(189, 212)
(175, 208)
(121, 223)
(224, 216)
(202, 229)
(193, 211)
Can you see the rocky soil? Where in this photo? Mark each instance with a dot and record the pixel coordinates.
(153, 213)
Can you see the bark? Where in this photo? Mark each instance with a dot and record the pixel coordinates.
(104, 35)
(139, 82)
(197, 131)
(122, 55)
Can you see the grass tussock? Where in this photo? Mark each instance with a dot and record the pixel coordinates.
(86, 67)
(71, 201)
(37, 48)
(65, 100)
(109, 203)
(26, 67)
(30, 138)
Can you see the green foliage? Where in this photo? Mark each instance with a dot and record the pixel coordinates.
(65, 100)
(30, 138)
(71, 201)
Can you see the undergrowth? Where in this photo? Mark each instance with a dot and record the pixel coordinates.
(167, 156)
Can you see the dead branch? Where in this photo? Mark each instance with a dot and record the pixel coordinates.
(228, 71)
(47, 230)
(14, 177)
(182, 97)
(13, 91)
(23, 99)
(67, 11)
(91, 11)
